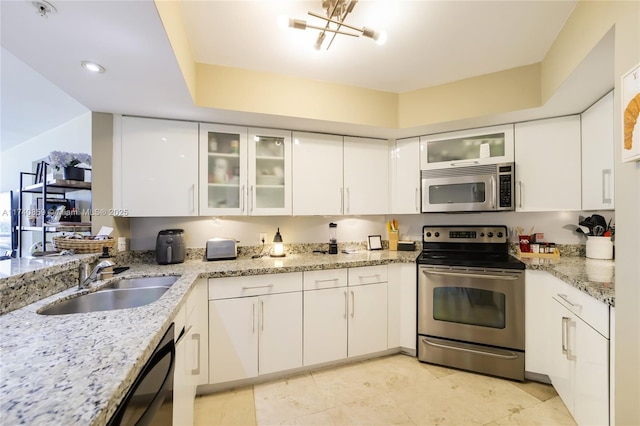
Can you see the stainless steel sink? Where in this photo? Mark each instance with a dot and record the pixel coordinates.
(143, 282)
(106, 300)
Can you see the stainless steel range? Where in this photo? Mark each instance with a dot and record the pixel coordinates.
(471, 300)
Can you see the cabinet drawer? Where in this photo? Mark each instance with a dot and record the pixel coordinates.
(255, 285)
(368, 275)
(328, 278)
(592, 311)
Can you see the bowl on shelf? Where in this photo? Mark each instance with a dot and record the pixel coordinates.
(270, 180)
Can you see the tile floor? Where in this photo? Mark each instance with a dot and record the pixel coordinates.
(391, 390)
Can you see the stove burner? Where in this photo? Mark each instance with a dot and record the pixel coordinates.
(476, 249)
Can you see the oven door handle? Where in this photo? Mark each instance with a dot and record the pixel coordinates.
(469, 275)
(493, 353)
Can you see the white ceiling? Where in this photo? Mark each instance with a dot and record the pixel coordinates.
(430, 42)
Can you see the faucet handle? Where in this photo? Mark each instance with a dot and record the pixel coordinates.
(83, 273)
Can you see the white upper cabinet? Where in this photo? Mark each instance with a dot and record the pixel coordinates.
(597, 155)
(317, 174)
(333, 175)
(404, 176)
(547, 154)
(366, 176)
(269, 172)
(223, 170)
(487, 145)
(155, 167)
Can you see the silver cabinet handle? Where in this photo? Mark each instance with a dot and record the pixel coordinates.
(196, 371)
(520, 193)
(193, 198)
(353, 304)
(368, 276)
(505, 355)
(565, 326)
(256, 286)
(253, 318)
(262, 315)
(251, 201)
(348, 200)
(566, 299)
(327, 280)
(417, 200)
(345, 304)
(242, 198)
(341, 200)
(606, 186)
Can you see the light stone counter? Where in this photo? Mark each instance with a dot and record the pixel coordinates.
(75, 369)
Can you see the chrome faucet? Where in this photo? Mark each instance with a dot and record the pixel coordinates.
(93, 276)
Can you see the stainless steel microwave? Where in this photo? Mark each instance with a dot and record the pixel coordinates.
(488, 187)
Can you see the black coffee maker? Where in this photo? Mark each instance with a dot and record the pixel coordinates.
(333, 239)
(170, 246)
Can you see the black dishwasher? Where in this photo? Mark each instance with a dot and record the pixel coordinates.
(149, 399)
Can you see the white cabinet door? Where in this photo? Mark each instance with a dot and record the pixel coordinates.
(561, 339)
(325, 325)
(487, 145)
(547, 154)
(597, 155)
(405, 176)
(317, 174)
(408, 306)
(269, 172)
(366, 176)
(367, 319)
(591, 384)
(223, 170)
(182, 396)
(199, 320)
(158, 162)
(393, 307)
(537, 321)
(233, 339)
(280, 341)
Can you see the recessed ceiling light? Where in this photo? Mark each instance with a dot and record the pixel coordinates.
(92, 66)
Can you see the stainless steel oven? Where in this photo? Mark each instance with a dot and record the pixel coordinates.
(471, 300)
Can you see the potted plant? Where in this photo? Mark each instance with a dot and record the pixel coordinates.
(68, 162)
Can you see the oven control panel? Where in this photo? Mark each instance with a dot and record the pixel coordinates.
(465, 234)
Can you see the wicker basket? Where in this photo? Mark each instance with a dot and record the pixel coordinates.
(82, 246)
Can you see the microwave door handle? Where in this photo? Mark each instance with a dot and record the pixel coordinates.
(464, 163)
(494, 190)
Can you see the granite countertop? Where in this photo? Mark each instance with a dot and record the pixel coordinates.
(74, 369)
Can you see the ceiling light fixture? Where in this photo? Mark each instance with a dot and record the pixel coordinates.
(336, 11)
(92, 67)
(43, 8)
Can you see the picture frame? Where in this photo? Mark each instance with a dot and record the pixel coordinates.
(374, 242)
(631, 115)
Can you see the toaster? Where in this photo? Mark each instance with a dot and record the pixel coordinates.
(221, 248)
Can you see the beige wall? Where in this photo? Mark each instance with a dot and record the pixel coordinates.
(252, 91)
(102, 185)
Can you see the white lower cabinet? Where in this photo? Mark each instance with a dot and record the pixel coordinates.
(190, 366)
(344, 316)
(537, 311)
(255, 326)
(578, 348)
(367, 329)
(402, 306)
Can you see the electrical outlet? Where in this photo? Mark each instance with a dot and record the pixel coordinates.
(263, 238)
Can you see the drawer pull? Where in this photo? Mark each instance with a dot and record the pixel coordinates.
(363, 277)
(328, 280)
(256, 286)
(566, 299)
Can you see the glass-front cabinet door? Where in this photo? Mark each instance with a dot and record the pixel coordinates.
(269, 172)
(223, 169)
(488, 145)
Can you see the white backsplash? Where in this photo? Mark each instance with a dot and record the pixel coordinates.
(557, 227)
